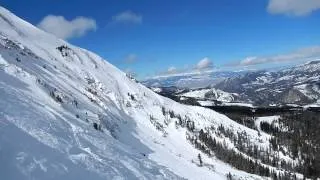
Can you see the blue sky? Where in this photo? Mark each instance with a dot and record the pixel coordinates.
(168, 37)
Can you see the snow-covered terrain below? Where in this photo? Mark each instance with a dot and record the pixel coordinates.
(210, 94)
(66, 113)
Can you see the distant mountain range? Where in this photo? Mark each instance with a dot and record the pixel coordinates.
(299, 85)
(296, 85)
(192, 80)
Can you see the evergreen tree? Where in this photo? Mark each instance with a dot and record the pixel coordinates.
(200, 159)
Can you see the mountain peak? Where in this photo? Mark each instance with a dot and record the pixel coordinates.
(317, 61)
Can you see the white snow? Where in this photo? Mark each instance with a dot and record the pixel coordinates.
(212, 93)
(312, 93)
(157, 90)
(238, 104)
(50, 101)
(196, 93)
(206, 103)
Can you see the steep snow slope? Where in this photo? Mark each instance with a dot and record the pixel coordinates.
(65, 113)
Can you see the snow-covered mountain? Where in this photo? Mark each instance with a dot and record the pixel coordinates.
(210, 94)
(298, 85)
(191, 80)
(66, 113)
(295, 85)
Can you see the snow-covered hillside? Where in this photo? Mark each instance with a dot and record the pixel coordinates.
(210, 94)
(66, 113)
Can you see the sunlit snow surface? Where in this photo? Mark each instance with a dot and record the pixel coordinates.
(212, 94)
(42, 138)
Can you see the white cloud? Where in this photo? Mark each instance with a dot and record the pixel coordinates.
(204, 63)
(309, 53)
(131, 58)
(203, 66)
(66, 29)
(293, 7)
(248, 61)
(172, 70)
(127, 17)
